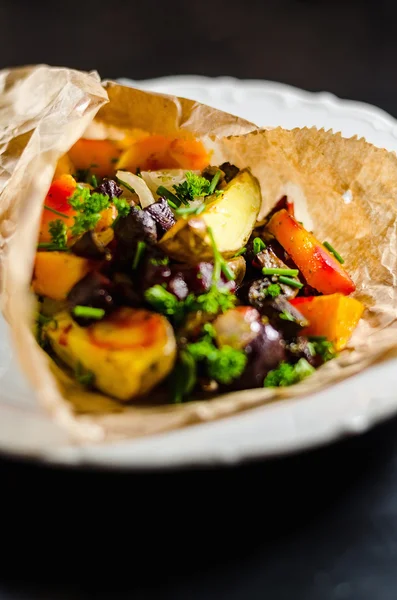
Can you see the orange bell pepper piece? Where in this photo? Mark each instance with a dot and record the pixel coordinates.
(319, 267)
(156, 152)
(55, 273)
(334, 316)
(57, 199)
(189, 154)
(98, 156)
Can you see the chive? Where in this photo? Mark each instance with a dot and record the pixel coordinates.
(290, 282)
(287, 272)
(219, 262)
(140, 249)
(286, 316)
(162, 191)
(88, 312)
(172, 204)
(56, 212)
(227, 271)
(191, 210)
(214, 182)
(258, 245)
(94, 181)
(334, 252)
(240, 252)
(126, 185)
(50, 246)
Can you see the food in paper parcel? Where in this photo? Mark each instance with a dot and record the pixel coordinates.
(183, 254)
(164, 306)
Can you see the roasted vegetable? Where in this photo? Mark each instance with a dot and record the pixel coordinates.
(89, 245)
(138, 226)
(94, 290)
(55, 273)
(128, 353)
(237, 327)
(264, 353)
(335, 317)
(162, 214)
(56, 206)
(284, 316)
(318, 265)
(154, 152)
(97, 157)
(231, 214)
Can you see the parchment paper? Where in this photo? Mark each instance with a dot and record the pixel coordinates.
(345, 190)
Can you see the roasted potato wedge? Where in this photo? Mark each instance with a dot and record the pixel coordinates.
(128, 352)
(231, 215)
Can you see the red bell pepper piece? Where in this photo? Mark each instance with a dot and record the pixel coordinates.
(319, 267)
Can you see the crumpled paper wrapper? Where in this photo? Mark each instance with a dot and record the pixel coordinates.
(345, 190)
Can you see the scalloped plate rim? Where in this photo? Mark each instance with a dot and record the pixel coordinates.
(170, 449)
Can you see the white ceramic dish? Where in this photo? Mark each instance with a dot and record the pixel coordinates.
(350, 407)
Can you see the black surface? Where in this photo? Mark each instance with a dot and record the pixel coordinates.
(316, 527)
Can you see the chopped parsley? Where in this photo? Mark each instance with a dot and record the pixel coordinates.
(273, 290)
(320, 346)
(58, 233)
(194, 187)
(287, 374)
(88, 207)
(123, 207)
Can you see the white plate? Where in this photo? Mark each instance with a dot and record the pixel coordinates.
(347, 408)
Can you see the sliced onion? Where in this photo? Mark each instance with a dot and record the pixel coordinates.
(146, 197)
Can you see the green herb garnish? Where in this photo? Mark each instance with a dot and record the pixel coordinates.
(88, 207)
(214, 182)
(287, 374)
(320, 346)
(191, 210)
(140, 249)
(220, 263)
(183, 377)
(56, 212)
(334, 252)
(83, 376)
(194, 187)
(286, 316)
(291, 282)
(126, 185)
(258, 245)
(58, 233)
(240, 252)
(287, 272)
(172, 200)
(273, 290)
(88, 312)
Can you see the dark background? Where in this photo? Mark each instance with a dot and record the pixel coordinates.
(318, 526)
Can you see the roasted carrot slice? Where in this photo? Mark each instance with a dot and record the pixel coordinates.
(319, 267)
